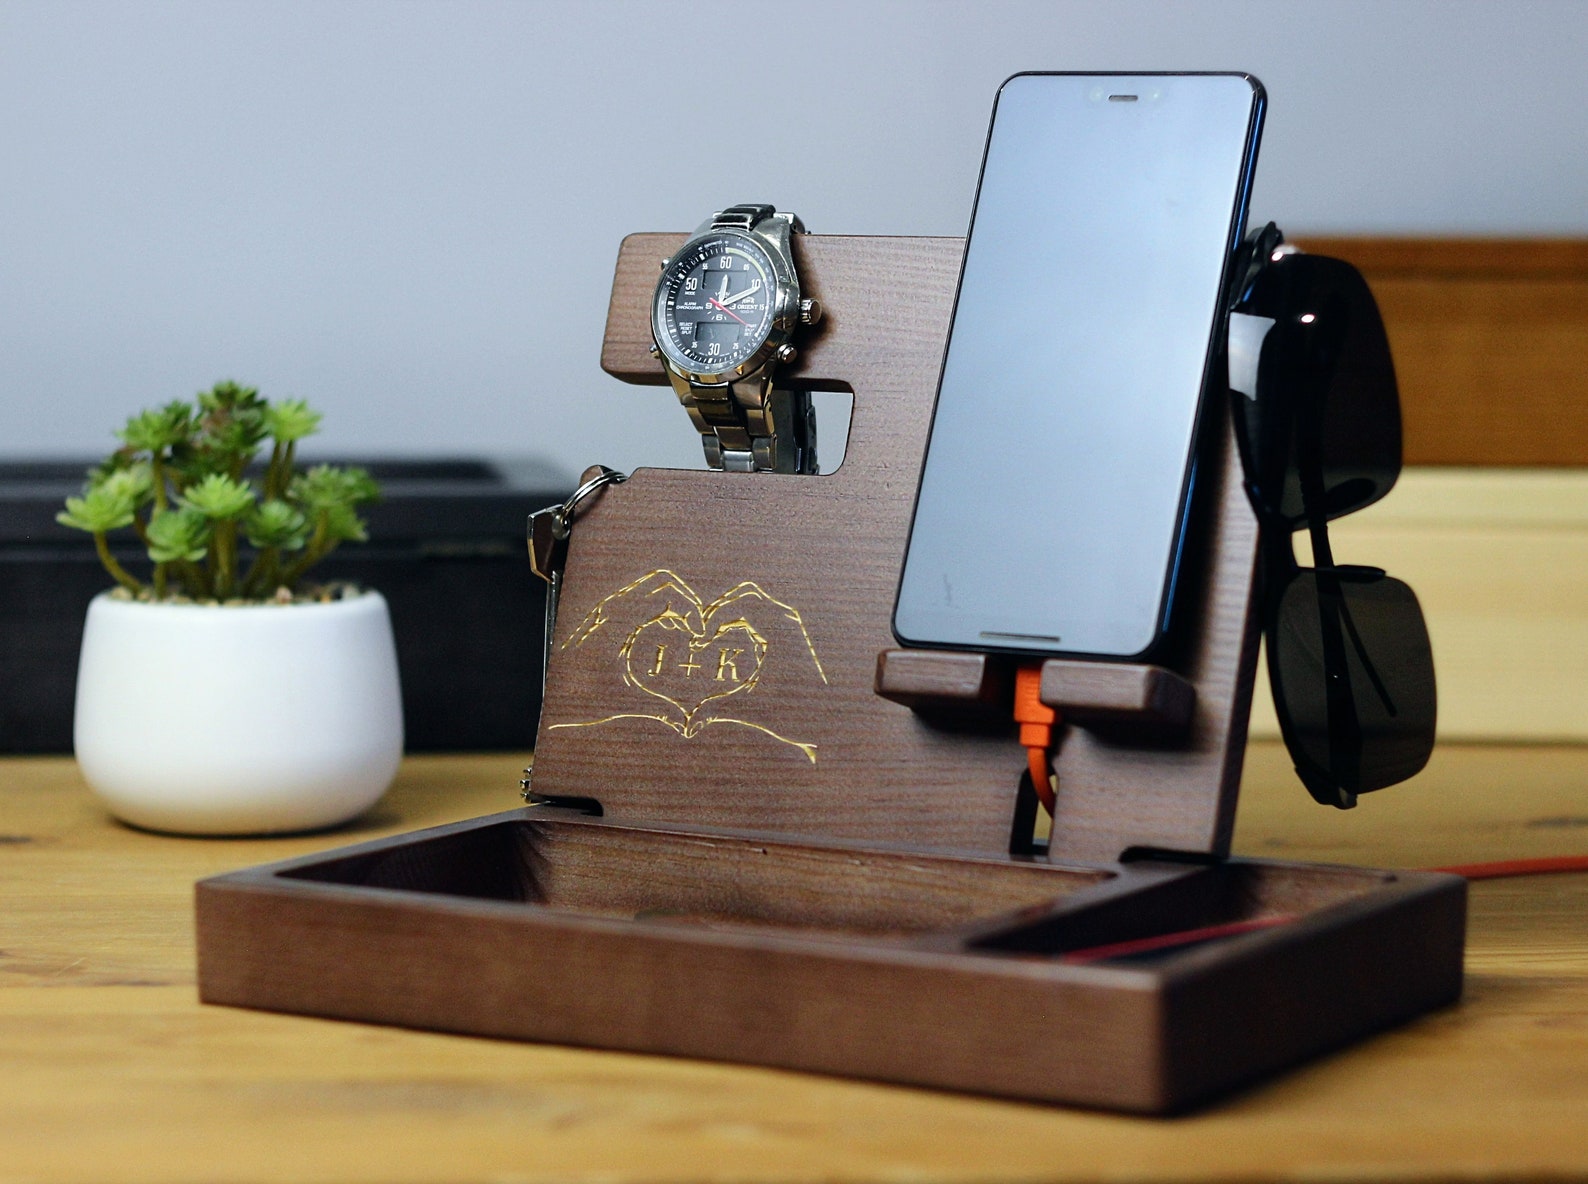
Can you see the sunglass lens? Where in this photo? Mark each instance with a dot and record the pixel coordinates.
(1353, 678)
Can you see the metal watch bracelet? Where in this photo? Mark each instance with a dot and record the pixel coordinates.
(748, 424)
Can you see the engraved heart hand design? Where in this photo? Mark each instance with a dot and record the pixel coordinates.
(688, 653)
(671, 658)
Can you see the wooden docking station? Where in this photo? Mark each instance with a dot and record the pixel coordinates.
(770, 836)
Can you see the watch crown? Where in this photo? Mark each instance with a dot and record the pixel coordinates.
(786, 353)
(656, 350)
(810, 311)
(665, 262)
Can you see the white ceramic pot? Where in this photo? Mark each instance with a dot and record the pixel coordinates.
(238, 719)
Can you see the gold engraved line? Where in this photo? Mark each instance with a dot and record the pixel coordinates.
(808, 749)
(690, 731)
(699, 636)
(671, 580)
(597, 616)
(668, 619)
(751, 588)
(590, 723)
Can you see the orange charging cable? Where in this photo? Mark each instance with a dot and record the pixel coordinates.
(1036, 720)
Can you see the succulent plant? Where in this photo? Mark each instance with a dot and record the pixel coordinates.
(183, 482)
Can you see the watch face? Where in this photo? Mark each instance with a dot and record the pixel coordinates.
(714, 303)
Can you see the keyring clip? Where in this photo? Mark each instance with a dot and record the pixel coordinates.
(562, 516)
(549, 530)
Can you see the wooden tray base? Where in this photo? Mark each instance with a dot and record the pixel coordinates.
(546, 924)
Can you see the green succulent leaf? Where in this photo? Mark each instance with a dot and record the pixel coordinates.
(191, 463)
(236, 435)
(116, 461)
(178, 535)
(291, 420)
(231, 425)
(157, 429)
(219, 497)
(227, 395)
(100, 509)
(276, 524)
(179, 479)
(326, 486)
(344, 526)
(135, 482)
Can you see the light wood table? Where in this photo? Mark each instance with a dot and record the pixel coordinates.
(111, 1070)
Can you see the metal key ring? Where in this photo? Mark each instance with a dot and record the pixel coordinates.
(562, 521)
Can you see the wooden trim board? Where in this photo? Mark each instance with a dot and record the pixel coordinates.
(1490, 338)
(1499, 562)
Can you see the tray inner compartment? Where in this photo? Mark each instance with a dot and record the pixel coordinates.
(716, 881)
(1222, 899)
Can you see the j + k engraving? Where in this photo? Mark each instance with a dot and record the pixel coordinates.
(727, 663)
(691, 655)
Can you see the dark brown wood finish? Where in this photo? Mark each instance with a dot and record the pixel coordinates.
(692, 920)
(406, 931)
(830, 547)
(1101, 694)
(948, 681)
(1180, 794)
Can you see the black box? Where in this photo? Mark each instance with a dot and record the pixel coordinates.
(446, 550)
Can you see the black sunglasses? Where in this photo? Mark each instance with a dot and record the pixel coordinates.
(1319, 433)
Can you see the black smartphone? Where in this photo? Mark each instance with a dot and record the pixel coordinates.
(1053, 501)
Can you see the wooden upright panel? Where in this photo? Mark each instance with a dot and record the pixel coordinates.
(719, 632)
(1180, 795)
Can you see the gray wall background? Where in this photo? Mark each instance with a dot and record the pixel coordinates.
(408, 212)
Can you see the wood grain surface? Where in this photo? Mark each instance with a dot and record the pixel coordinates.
(114, 1072)
(548, 924)
(814, 751)
(1490, 338)
(808, 748)
(713, 668)
(1499, 561)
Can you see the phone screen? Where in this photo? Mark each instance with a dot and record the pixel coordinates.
(1053, 495)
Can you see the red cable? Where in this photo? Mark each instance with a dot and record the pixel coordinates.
(1499, 868)
(1168, 941)
(1495, 869)
(1037, 721)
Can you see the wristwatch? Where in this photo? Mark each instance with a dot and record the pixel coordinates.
(726, 307)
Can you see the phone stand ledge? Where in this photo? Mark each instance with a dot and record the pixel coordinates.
(1119, 698)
